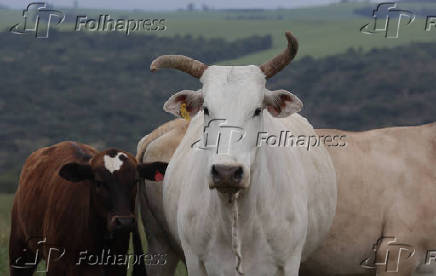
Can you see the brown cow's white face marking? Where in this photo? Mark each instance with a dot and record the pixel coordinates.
(113, 164)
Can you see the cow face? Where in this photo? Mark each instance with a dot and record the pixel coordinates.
(232, 100)
(236, 97)
(113, 175)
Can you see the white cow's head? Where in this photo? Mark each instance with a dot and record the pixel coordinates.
(232, 101)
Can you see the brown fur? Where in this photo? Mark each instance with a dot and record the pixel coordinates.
(46, 206)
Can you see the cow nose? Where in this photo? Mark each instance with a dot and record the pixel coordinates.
(227, 176)
(123, 222)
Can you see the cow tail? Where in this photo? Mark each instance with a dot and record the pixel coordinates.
(139, 266)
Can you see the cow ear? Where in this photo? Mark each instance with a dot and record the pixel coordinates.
(76, 172)
(193, 101)
(282, 103)
(154, 171)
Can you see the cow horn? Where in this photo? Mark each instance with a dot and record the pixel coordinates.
(275, 65)
(183, 63)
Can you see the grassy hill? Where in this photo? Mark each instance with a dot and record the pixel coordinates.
(322, 31)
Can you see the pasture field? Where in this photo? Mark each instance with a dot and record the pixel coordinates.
(5, 211)
(322, 31)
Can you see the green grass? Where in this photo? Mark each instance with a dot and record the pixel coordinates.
(322, 31)
(6, 201)
(5, 218)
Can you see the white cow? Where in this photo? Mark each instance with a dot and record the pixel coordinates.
(235, 206)
(374, 171)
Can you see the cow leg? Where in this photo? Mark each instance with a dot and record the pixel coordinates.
(55, 269)
(119, 246)
(22, 260)
(115, 270)
(157, 239)
(167, 264)
(82, 271)
(292, 266)
(194, 265)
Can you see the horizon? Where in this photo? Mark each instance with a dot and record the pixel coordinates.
(174, 5)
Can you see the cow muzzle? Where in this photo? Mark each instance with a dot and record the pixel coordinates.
(227, 178)
(122, 223)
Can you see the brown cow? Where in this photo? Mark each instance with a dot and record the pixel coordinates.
(74, 208)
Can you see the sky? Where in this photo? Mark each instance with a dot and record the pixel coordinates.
(171, 4)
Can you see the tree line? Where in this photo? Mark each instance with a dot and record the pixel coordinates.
(90, 87)
(96, 88)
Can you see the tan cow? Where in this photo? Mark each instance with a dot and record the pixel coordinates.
(159, 145)
(386, 210)
(387, 190)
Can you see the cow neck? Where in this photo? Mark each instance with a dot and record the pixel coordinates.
(97, 224)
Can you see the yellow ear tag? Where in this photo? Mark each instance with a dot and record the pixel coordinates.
(184, 113)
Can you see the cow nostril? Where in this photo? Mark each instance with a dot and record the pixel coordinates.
(120, 222)
(237, 175)
(215, 173)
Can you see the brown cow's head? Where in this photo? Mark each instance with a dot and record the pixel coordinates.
(113, 175)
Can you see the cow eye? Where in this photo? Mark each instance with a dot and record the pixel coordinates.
(257, 112)
(206, 111)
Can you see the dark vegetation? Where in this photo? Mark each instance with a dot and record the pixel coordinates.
(96, 88)
(360, 91)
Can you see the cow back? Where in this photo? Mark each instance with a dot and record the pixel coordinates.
(50, 207)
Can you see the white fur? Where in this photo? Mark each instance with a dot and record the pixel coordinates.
(289, 204)
(113, 164)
